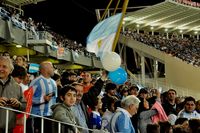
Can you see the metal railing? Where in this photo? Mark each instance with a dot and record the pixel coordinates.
(42, 122)
(40, 35)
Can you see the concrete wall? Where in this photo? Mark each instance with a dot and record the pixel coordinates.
(183, 75)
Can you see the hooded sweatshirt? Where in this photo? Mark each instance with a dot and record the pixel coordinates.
(63, 113)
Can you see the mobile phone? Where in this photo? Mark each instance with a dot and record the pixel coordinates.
(52, 94)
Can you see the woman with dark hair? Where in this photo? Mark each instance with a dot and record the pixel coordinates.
(144, 115)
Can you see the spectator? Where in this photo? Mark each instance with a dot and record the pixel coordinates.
(179, 129)
(45, 92)
(25, 83)
(124, 91)
(95, 117)
(87, 81)
(144, 115)
(84, 99)
(198, 106)
(143, 93)
(153, 128)
(194, 125)
(189, 109)
(133, 90)
(19, 73)
(120, 121)
(68, 78)
(21, 61)
(57, 78)
(165, 127)
(63, 112)
(170, 105)
(6, 54)
(80, 109)
(183, 122)
(11, 94)
(106, 118)
(110, 90)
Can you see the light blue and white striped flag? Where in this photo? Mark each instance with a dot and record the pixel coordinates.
(33, 68)
(101, 38)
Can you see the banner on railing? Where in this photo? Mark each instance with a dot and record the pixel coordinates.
(60, 52)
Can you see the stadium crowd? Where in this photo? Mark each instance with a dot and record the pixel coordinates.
(39, 30)
(83, 102)
(186, 49)
(78, 99)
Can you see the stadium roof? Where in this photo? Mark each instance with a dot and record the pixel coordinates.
(22, 2)
(170, 15)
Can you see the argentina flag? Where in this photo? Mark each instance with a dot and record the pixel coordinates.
(101, 38)
(33, 68)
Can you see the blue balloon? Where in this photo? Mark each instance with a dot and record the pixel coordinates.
(118, 76)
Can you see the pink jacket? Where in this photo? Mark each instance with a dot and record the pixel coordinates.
(161, 115)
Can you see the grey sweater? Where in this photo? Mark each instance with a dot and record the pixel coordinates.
(144, 119)
(63, 113)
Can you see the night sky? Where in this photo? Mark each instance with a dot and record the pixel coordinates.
(77, 17)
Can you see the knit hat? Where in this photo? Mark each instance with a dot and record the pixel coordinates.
(172, 118)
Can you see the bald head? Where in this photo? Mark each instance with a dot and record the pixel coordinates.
(46, 69)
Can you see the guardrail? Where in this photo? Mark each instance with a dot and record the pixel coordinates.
(42, 122)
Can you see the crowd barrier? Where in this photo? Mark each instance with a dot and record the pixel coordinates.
(42, 122)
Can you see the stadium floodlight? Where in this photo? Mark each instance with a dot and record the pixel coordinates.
(18, 46)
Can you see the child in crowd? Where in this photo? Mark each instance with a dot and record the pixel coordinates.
(95, 117)
(62, 111)
(106, 118)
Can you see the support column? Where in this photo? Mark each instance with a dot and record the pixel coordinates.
(143, 69)
(155, 72)
(152, 32)
(138, 30)
(167, 35)
(197, 36)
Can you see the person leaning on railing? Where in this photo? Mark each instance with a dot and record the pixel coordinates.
(11, 95)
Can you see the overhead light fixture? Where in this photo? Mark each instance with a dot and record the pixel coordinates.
(166, 30)
(152, 27)
(195, 32)
(137, 25)
(18, 46)
(181, 31)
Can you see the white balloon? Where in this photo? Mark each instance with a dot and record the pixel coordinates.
(111, 61)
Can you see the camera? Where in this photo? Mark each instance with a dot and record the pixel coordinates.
(9, 102)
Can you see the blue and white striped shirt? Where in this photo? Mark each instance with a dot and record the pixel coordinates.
(42, 87)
